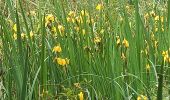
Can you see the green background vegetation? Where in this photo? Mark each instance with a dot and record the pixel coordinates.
(107, 70)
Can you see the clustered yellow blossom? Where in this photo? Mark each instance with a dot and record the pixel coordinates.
(146, 48)
(165, 56)
(53, 29)
(148, 67)
(61, 28)
(31, 34)
(84, 13)
(152, 36)
(62, 61)
(15, 27)
(152, 13)
(83, 17)
(154, 40)
(156, 44)
(71, 16)
(117, 40)
(14, 36)
(146, 16)
(97, 39)
(156, 29)
(81, 96)
(142, 97)
(79, 19)
(23, 35)
(156, 19)
(15, 30)
(57, 49)
(49, 19)
(99, 7)
(83, 31)
(125, 43)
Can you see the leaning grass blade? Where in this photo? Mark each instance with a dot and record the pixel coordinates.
(25, 75)
(33, 84)
(160, 82)
(43, 66)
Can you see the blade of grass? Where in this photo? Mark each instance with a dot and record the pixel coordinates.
(43, 66)
(160, 82)
(24, 83)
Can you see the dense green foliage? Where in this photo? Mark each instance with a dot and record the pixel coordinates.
(85, 49)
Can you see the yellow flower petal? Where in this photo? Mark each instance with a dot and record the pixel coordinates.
(57, 48)
(125, 43)
(81, 96)
(99, 7)
(15, 27)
